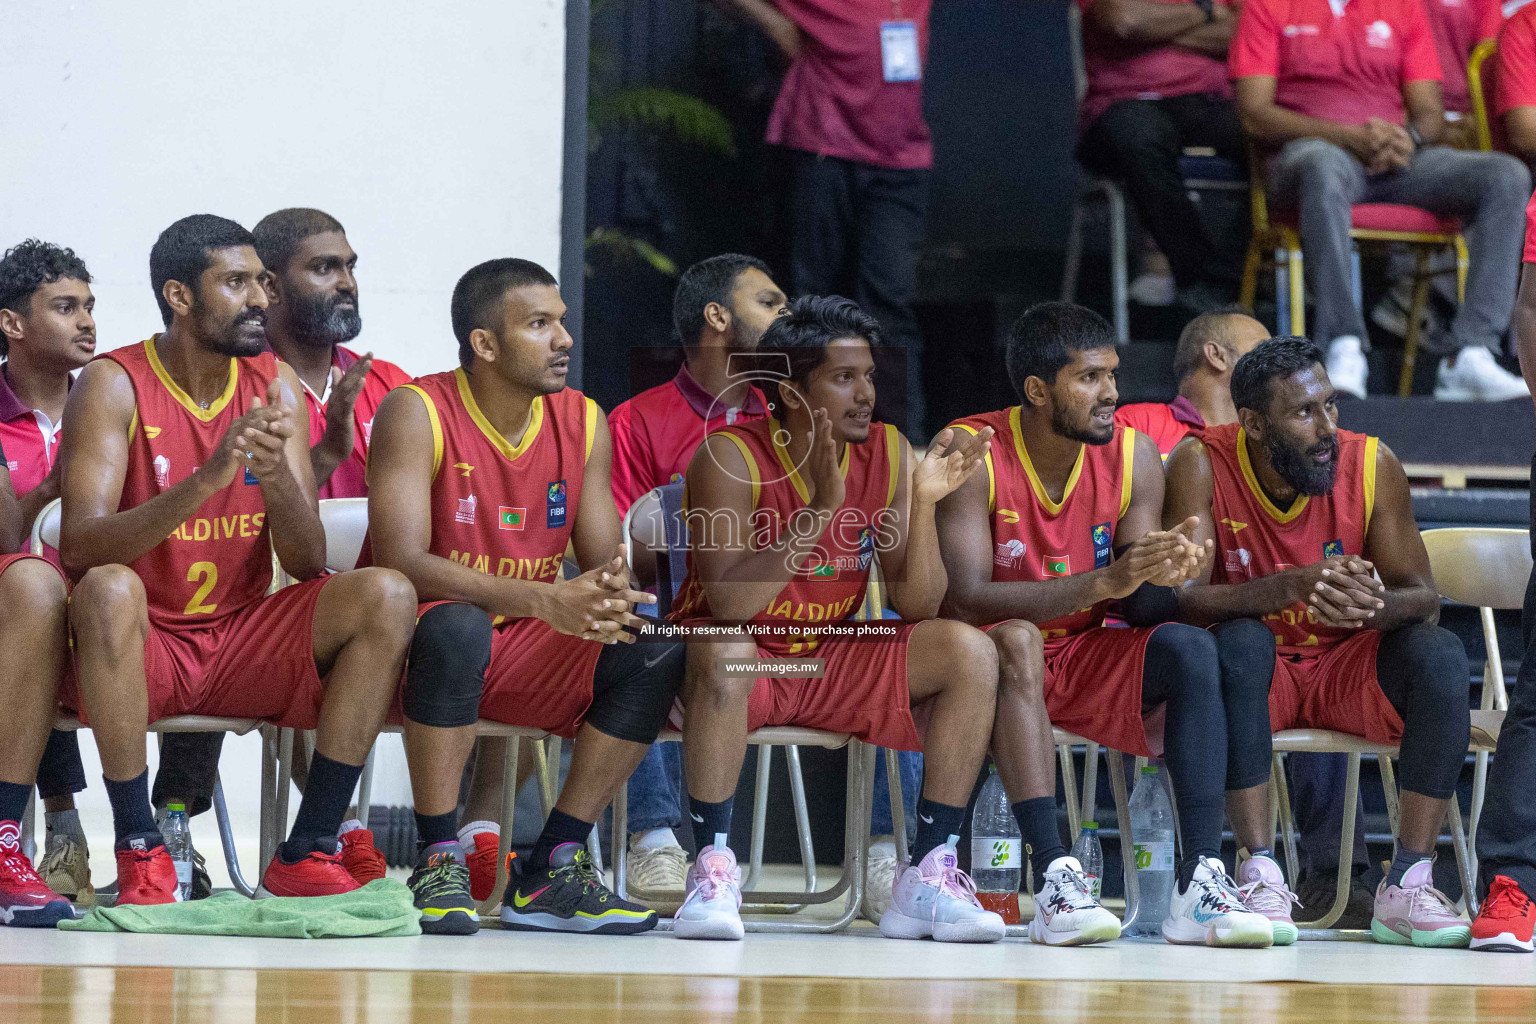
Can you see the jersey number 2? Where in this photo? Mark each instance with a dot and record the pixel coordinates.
(209, 574)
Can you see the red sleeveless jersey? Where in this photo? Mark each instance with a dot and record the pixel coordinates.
(350, 480)
(500, 508)
(1255, 539)
(830, 585)
(219, 561)
(1036, 539)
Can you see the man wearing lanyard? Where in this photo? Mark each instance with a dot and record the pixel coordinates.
(850, 112)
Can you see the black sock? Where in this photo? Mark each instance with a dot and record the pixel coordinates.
(1186, 868)
(432, 829)
(1262, 851)
(1402, 860)
(709, 820)
(325, 801)
(561, 828)
(936, 822)
(13, 801)
(1037, 824)
(131, 813)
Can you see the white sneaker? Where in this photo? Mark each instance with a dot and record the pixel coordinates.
(1211, 911)
(1066, 914)
(879, 878)
(712, 909)
(1150, 289)
(1346, 365)
(936, 900)
(1477, 377)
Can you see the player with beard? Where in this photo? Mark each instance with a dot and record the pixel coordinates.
(1320, 590)
(186, 467)
(1065, 520)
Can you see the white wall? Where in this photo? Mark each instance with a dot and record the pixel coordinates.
(431, 130)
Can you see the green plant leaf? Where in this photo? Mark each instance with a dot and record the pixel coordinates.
(626, 246)
(665, 114)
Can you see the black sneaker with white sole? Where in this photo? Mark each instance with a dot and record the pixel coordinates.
(569, 896)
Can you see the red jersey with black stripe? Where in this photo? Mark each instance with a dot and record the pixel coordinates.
(1255, 539)
(1034, 538)
(350, 480)
(828, 586)
(219, 561)
(501, 508)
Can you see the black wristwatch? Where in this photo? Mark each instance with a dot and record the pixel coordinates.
(1209, 7)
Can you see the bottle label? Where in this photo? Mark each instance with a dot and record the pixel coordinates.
(1154, 856)
(184, 872)
(996, 853)
(1095, 885)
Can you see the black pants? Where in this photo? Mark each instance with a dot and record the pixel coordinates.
(857, 229)
(1506, 833)
(1138, 143)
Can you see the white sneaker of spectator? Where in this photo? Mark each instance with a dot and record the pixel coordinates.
(1346, 365)
(879, 878)
(1152, 289)
(1477, 377)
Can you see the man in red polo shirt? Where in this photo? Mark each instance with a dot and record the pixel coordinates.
(1209, 347)
(1516, 90)
(850, 112)
(47, 331)
(1346, 94)
(1157, 82)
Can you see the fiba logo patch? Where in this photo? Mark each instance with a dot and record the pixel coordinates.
(1333, 547)
(555, 517)
(866, 548)
(162, 472)
(466, 512)
(1009, 554)
(1101, 539)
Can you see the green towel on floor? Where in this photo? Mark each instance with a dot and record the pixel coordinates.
(382, 908)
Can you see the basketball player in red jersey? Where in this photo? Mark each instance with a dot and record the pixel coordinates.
(1065, 519)
(186, 466)
(1210, 345)
(33, 634)
(312, 308)
(785, 516)
(1305, 518)
(479, 479)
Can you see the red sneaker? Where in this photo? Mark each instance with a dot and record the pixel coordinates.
(1504, 923)
(145, 876)
(25, 902)
(482, 866)
(360, 857)
(318, 874)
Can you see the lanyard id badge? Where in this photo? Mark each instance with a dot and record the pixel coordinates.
(898, 51)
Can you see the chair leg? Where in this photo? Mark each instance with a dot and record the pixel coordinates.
(1389, 791)
(284, 784)
(898, 805)
(1283, 292)
(1479, 791)
(759, 815)
(227, 841)
(620, 848)
(266, 843)
(1346, 850)
(1074, 255)
(1298, 291)
(802, 815)
(548, 760)
(1069, 788)
(508, 807)
(1354, 275)
(1252, 264)
(1115, 761)
(1461, 270)
(1463, 859)
(1282, 799)
(365, 786)
(1090, 811)
(1421, 277)
(1119, 286)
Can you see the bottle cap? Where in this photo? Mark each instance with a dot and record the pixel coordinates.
(1090, 825)
(176, 807)
(1150, 769)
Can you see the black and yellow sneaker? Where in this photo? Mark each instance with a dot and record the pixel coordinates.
(440, 884)
(569, 897)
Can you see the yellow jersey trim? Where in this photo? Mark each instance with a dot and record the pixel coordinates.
(893, 455)
(215, 407)
(1269, 507)
(437, 427)
(1128, 472)
(501, 444)
(1371, 447)
(133, 424)
(592, 415)
(746, 453)
(991, 470)
(790, 470)
(1052, 507)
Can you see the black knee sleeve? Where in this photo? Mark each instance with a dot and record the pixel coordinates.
(1423, 671)
(633, 688)
(1245, 652)
(1181, 670)
(446, 673)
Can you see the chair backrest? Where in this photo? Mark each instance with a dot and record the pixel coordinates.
(346, 524)
(45, 528)
(1487, 568)
(1482, 83)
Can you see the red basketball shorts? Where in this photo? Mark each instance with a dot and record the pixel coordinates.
(1333, 687)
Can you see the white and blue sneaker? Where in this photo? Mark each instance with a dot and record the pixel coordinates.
(936, 900)
(1211, 912)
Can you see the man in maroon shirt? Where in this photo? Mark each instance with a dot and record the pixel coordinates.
(851, 113)
(1347, 93)
(1157, 82)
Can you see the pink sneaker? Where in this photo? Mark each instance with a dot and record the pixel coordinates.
(936, 900)
(1262, 887)
(1418, 914)
(712, 909)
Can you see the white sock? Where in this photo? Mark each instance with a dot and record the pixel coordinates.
(468, 832)
(655, 839)
(61, 825)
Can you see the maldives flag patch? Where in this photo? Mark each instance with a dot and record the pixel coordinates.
(821, 570)
(512, 518)
(1058, 565)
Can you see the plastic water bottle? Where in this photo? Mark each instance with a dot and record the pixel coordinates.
(1091, 856)
(1152, 832)
(178, 843)
(997, 851)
